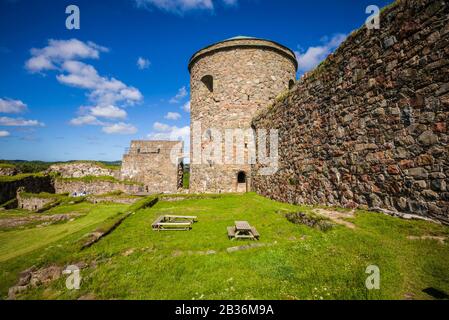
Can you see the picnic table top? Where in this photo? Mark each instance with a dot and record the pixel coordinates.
(242, 226)
(180, 217)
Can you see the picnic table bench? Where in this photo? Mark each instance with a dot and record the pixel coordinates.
(155, 224)
(243, 230)
(176, 218)
(171, 226)
(174, 223)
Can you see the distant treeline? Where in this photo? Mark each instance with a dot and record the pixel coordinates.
(39, 166)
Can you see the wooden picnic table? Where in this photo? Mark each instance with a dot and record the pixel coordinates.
(242, 226)
(243, 230)
(174, 223)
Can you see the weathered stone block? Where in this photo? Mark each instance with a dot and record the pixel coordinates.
(428, 138)
(419, 173)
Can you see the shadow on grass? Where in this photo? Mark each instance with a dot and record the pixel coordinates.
(437, 294)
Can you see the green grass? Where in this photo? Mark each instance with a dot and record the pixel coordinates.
(42, 195)
(7, 165)
(186, 180)
(19, 177)
(296, 262)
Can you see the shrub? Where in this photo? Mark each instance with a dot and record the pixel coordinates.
(313, 221)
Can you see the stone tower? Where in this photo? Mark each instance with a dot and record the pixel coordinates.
(230, 81)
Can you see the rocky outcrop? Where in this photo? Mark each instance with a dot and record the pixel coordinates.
(33, 277)
(82, 169)
(8, 171)
(369, 126)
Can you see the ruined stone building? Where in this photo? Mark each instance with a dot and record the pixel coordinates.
(158, 165)
(230, 82)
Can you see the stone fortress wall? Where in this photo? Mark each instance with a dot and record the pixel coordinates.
(95, 187)
(155, 164)
(369, 127)
(230, 82)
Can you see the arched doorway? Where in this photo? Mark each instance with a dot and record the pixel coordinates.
(242, 182)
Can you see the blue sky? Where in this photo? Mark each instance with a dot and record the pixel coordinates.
(84, 94)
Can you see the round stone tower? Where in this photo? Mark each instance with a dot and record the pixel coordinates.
(230, 82)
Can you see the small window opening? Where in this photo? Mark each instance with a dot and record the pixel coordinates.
(208, 82)
(241, 177)
(209, 135)
(291, 84)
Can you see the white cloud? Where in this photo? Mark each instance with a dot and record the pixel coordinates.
(120, 128)
(58, 51)
(314, 55)
(19, 122)
(186, 107)
(173, 133)
(143, 63)
(108, 95)
(182, 93)
(172, 116)
(12, 106)
(103, 91)
(161, 127)
(86, 120)
(162, 131)
(4, 134)
(176, 6)
(109, 112)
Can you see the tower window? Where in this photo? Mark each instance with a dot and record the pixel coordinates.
(291, 84)
(208, 81)
(241, 177)
(208, 135)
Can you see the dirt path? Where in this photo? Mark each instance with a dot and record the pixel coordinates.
(439, 239)
(337, 216)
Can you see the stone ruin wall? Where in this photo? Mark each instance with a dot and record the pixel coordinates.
(82, 169)
(95, 187)
(369, 127)
(31, 184)
(155, 164)
(33, 203)
(247, 75)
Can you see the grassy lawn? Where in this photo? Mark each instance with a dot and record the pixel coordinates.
(291, 262)
(186, 180)
(19, 177)
(20, 249)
